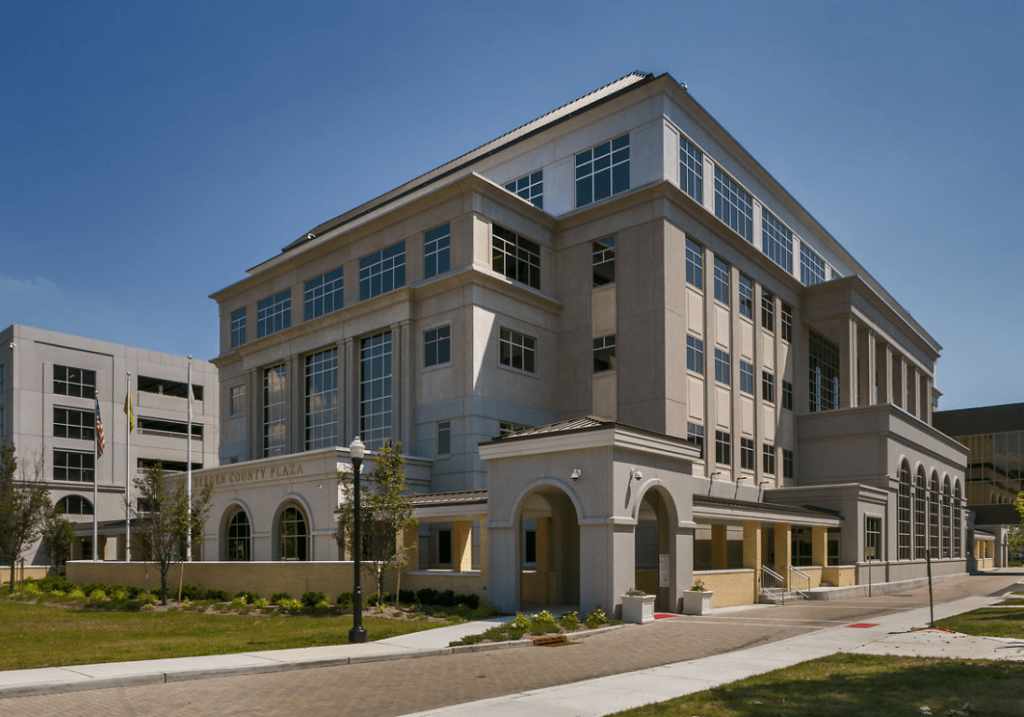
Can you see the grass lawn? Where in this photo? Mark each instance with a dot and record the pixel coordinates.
(990, 621)
(861, 685)
(49, 635)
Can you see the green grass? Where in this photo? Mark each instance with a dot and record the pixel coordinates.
(40, 635)
(860, 685)
(989, 621)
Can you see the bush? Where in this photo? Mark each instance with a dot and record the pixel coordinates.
(247, 596)
(30, 588)
(543, 622)
(136, 593)
(260, 602)
(57, 582)
(518, 626)
(311, 597)
(76, 593)
(279, 598)
(427, 596)
(406, 596)
(216, 595)
(375, 599)
(472, 601)
(89, 588)
(569, 621)
(97, 595)
(596, 618)
(345, 600)
(189, 592)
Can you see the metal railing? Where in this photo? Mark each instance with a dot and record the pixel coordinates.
(798, 577)
(773, 585)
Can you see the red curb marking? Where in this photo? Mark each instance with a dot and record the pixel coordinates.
(663, 615)
(864, 624)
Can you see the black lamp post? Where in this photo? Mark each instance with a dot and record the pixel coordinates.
(357, 633)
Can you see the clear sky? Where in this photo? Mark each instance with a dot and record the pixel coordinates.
(151, 152)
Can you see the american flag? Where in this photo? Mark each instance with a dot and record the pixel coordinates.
(101, 442)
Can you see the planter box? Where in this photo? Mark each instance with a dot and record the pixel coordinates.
(697, 602)
(638, 608)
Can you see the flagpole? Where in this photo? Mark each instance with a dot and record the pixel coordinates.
(95, 481)
(188, 460)
(128, 473)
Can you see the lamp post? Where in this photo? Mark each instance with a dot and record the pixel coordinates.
(357, 634)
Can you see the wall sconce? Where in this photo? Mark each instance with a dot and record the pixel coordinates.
(576, 474)
(635, 473)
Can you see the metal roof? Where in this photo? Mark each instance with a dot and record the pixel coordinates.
(458, 497)
(808, 510)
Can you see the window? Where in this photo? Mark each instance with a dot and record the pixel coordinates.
(273, 410)
(722, 366)
(239, 542)
(920, 510)
(168, 387)
(294, 535)
(723, 447)
(1, 378)
(382, 271)
(602, 171)
(933, 517)
(274, 314)
(947, 518)
(957, 518)
(1, 421)
(515, 257)
(604, 261)
(768, 454)
(787, 463)
(776, 240)
(74, 505)
(517, 351)
(695, 435)
(444, 438)
(530, 188)
(171, 429)
(768, 386)
(691, 169)
(322, 399)
(69, 423)
(694, 264)
(74, 466)
(721, 281)
(530, 543)
(505, 428)
(872, 538)
(733, 205)
(903, 514)
(787, 395)
(375, 389)
(747, 454)
(767, 311)
(824, 373)
(604, 353)
(812, 266)
(79, 382)
(444, 546)
(787, 322)
(694, 354)
(237, 328)
(325, 294)
(746, 297)
(746, 377)
(237, 400)
(437, 346)
(437, 251)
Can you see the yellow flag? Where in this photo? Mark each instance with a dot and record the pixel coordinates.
(129, 411)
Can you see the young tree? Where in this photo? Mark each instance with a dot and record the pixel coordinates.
(23, 502)
(162, 516)
(1016, 534)
(385, 512)
(57, 535)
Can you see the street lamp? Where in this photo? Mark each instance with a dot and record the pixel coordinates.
(357, 634)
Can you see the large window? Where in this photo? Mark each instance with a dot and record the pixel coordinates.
(70, 423)
(746, 288)
(325, 293)
(768, 455)
(602, 171)
(920, 513)
(294, 535)
(444, 438)
(237, 400)
(530, 187)
(239, 542)
(694, 354)
(823, 363)
(69, 381)
(74, 466)
(812, 266)
(237, 328)
(957, 518)
(733, 205)
(933, 517)
(721, 281)
(274, 314)
(776, 240)
(375, 389)
(787, 322)
(437, 251)
(604, 353)
(767, 311)
(746, 377)
(722, 366)
(273, 410)
(768, 386)
(74, 505)
(517, 350)
(604, 261)
(691, 169)
(947, 518)
(694, 264)
(322, 399)
(723, 447)
(788, 469)
(747, 454)
(903, 507)
(437, 346)
(515, 257)
(872, 538)
(695, 435)
(382, 271)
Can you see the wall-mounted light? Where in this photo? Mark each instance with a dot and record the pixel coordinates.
(576, 474)
(635, 473)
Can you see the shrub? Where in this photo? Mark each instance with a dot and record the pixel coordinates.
(56, 582)
(135, 592)
(311, 597)
(260, 602)
(406, 596)
(345, 600)
(217, 595)
(76, 593)
(569, 621)
(596, 618)
(89, 588)
(543, 622)
(248, 596)
(190, 592)
(427, 596)
(518, 626)
(279, 598)
(472, 601)
(375, 599)
(97, 595)
(30, 588)
(290, 605)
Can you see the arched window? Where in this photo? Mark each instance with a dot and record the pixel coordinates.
(903, 514)
(947, 517)
(239, 537)
(933, 517)
(957, 518)
(294, 535)
(920, 512)
(74, 505)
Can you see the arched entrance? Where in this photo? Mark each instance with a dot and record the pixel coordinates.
(653, 548)
(548, 550)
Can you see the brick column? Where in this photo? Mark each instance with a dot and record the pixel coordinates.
(752, 552)
(719, 547)
(783, 551)
(462, 552)
(819, 545)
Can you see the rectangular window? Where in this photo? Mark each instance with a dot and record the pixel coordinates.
(768, 453)
(823, 364)
(505, 428)
(872, 538)
(530, 543)
(746, 377)
(530, 188)
(768, 386)
(787, 463)
(695, 435)
(382, 271)
(168, 387)
(322, 399)
(444, 438)
(695, 354)
(721, 281)
(733, 205)
(694, 264)
(746, 297)
(604, 261)
(78, 382)
(767, 311)
(787, 322)
(444, 547)
(747, 454)
(812, 266)
(375, 389)
(237, 328)
(776, 240)
(273, 410)
(723, 447)
(515, 257)
(274, 314)
(437, 346)
(602, 171)
(787, 395)
(604, 353)
(325, 294)
(722, 366)
(70, 423)
(691, 169)
(437, 251)
(237, 406)
(74, 466)
(516, 350)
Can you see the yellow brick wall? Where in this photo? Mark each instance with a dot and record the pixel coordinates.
(458, 583)
(839, 577)
(813, 572)
(731, 587)
(36, 573)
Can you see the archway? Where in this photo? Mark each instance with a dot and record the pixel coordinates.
(652, 540)
(548, 550)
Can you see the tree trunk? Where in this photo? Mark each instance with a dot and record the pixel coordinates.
(163, 585)
(12, 577)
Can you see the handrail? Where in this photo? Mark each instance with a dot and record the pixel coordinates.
(773, 585)
(800, 574)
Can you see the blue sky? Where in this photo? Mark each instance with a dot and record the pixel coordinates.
(152, 152)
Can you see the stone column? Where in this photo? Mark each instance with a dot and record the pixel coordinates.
(408, 363)
(866, 373)
(350, 403)
(884, 367)
(719, 547)
(848, 362)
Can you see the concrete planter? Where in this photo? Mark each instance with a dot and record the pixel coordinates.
(697, 602)
(638, 608)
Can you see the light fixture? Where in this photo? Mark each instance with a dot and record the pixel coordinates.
(635, 473)
(576, 474)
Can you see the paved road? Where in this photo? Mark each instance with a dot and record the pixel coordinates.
(403, 686)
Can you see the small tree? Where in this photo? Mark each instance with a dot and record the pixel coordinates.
(163, 520)
(57, 535)
(385, 512)
(23, 503)
(1016, 533)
